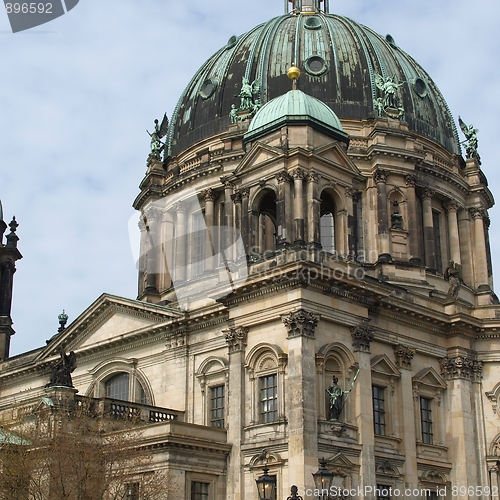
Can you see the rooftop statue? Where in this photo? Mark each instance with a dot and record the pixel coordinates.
(249, 101)
(62, 369)
(390, 101)
(160, 131)
(470, 140)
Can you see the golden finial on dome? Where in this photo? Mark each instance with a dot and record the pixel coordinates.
(294, 74)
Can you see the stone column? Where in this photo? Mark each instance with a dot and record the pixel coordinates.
(245, 223)
(180, 241)
(350, 197)
(454, 237)
(480, 257)
(228, 216)
(301, 396)
(404, 356)
(461, 372)
(237, 199)
(210, 195)
(380, 178)
(298, 206)
(142, 264)
(493, 472)
(313, 210)
(283, 236)
(320, 392)
(153, 216)
(414, 222)
(430, 247)
(362, 337)
(236, 339)
(465, 246)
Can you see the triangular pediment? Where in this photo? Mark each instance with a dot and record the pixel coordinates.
(260, 156)
(334, 154)
(108, 320)
(340, 460)
(382, 365)
(430, 377)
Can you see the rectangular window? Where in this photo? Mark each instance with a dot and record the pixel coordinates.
(437, 241)
(199, 491)
(378, 410)
(217, 407)
(198, 250)
(426, 419)
(269, 399)
(132, 491)
(383, 492)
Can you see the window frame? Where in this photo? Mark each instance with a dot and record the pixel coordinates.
(380, 411)
(223, 407)
(263, 402)
(426, 421)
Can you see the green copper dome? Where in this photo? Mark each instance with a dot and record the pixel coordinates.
(343, 65)
(295, 107)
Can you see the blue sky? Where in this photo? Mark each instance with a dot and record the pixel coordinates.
(77, 95)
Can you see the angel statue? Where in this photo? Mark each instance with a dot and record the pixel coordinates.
(471, 139)
(248, 92)
(160, 131)
(62, 369)
(388, 87)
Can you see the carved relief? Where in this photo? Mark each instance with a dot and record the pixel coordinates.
(404, 355)
(461, 367)
(236, 338)
(362, 336)
(300, 323)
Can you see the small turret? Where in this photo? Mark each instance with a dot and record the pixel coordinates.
(9, 254)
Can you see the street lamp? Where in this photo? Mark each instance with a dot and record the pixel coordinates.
(323, 479)
(266, 485)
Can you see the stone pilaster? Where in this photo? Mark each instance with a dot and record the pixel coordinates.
(152, 216)
(245, 225)
(380, 178)
(464, 228)
(236, 339)
(430, 247)
(210, 196)
(461, 372)
(362, 337)
(282, 206)
(228, 215)
(301, 396)
(298, 206)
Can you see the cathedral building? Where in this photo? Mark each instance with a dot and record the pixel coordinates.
(314, 280)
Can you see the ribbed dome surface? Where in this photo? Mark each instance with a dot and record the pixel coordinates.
(294, 106)
(339, 60)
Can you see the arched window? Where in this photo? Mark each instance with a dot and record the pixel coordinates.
(117, 387)
(327, 223)
(267, 222)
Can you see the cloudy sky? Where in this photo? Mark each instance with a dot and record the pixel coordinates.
(77, 95)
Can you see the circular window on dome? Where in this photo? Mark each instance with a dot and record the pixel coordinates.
(420, 87)
(316, 66)
(390, 41)
(312, 23)
(231, 42)
(208, 88)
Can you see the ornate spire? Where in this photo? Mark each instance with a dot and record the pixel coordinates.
(306, 6)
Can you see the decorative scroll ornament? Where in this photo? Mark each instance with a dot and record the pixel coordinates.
(404, 356)
(249, 101)
(461, 367)
(470, 140)
(236, 338)
(362, 336)
(389, 103)
(300, 323)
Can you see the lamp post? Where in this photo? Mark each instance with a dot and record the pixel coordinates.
(266, 485)
(323, 480)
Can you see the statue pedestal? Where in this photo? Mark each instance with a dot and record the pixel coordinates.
(61, 396)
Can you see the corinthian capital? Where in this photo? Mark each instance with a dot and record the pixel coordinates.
(380, 176)
(209, 194)
(478, 213)
(362, 336)
(180, 207)
(236, 338)
(283, 176)
(428, 193)
(299, 174)
(404, 355)
(461, 367)
(451, 206)
(236, 197)
(410, 181)
(300, 323)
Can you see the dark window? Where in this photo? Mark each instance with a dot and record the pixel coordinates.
(432, 495)
(217, 407)
(132, 491)
(383, 492)
(268, 399)
(437, 241)
(426, 418)
(199, 491)
(378, 410)
(117, 387)
(198, 250)
(327, 232)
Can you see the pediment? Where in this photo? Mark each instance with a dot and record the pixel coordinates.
(340, 460)
(334, 154)
(430, 377)
(107, 320)
(382, 365)
(259, 156)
